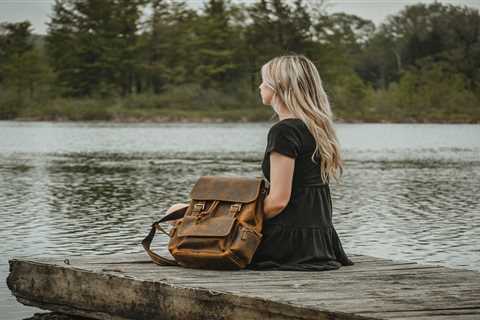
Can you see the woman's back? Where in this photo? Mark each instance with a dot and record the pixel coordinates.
(295, 131)
(302, 236)
(292, 138)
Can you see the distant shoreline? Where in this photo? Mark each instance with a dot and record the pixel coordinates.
(130, 120)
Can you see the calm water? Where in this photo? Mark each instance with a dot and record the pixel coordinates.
(410, 192)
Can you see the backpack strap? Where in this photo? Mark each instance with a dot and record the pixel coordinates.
(156, 226)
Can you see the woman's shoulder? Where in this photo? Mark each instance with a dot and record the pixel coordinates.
(296, 132)
(288, 123)
(290, 126)
(285, 137)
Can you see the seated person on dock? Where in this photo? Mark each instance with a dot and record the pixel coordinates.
(301, 156)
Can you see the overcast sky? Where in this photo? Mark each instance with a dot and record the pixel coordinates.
(38, 11)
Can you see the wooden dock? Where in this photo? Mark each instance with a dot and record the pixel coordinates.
(132, 287)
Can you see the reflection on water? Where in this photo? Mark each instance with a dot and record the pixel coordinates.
(410, 192)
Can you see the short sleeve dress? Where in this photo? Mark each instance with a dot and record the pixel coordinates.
(301, 237)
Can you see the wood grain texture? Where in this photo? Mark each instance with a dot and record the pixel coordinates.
(132, 287)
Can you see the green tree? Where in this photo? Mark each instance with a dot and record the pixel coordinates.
(21, 67)
(24, 73)
(433, 92)
(339, 40)
(15, 40)
(214, 44)
(434, 33)
(167, 45)
(93, 45)
(276, 28)
(22, 70)
(126, 47)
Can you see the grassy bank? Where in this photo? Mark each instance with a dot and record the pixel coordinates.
(260, 113)
(118, 111)
(242, 104)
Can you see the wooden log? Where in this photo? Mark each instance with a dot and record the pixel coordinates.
(132, 287)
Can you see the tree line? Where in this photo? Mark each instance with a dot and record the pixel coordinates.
(142, 58)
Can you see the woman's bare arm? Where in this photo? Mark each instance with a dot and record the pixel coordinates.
(281, 179)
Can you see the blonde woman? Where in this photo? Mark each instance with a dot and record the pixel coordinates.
(301, 157)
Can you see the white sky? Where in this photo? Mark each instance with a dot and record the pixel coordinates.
(38, 11)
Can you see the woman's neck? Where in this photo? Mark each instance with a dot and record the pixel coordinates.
(282, 111)
(286, 116)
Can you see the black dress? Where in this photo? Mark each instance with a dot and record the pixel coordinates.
(302, 236)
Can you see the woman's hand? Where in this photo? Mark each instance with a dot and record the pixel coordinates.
(272, 207)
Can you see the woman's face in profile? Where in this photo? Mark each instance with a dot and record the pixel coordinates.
(266, 92)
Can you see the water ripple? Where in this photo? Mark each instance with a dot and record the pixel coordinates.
(417, 204)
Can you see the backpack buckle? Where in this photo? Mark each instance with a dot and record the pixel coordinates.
(236, 207)
(198, 206)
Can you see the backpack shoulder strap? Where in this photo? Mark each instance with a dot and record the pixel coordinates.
(149, 238)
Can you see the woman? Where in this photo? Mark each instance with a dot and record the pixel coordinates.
(301, 157)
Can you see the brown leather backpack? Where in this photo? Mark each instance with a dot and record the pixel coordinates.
(221, 228)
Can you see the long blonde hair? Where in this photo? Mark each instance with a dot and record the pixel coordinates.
(296, 81)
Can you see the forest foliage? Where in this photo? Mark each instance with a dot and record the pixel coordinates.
(162, 59)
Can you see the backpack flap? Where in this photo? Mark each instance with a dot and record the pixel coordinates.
(211, 227)
(226, 188)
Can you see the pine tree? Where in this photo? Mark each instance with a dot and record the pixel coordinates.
(20, 66)
(168, 42)
(93, 45)
(215, 44)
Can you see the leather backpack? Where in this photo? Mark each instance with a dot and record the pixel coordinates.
(220, 229)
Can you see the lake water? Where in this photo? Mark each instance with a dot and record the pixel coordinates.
(410, 191)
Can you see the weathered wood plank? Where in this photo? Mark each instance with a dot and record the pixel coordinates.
(379, 303)
(443, 314)
(397, 280)
(439, 275)
(373, 268)
(131, 287)
(103, 296)
(442, 317)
